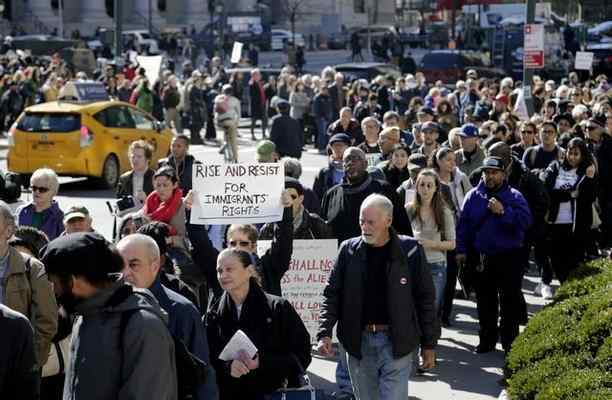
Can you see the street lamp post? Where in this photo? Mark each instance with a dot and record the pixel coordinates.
(150, 17)
(60, 15)
(221, 13)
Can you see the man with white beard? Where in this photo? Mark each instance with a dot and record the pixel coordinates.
(378, 291)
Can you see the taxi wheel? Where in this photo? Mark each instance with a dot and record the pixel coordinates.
(110, 172)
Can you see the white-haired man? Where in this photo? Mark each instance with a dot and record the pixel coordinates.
(380, 306)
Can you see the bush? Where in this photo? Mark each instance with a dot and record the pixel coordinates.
(565, 352)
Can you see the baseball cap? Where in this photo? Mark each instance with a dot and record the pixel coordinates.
(468, 130)
(76, 212)
(495, 163)
(283, 105)
(264, 150)
(340, 137)
(430, 125)
(565, 116)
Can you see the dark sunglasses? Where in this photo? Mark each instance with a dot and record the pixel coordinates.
(243, 243)
(40, 189)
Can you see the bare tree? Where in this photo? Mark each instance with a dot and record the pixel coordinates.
(293, 9)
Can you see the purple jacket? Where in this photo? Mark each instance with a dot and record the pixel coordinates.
(53, 219)
(486, 233)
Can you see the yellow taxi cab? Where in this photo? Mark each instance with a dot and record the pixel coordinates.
(80, 137)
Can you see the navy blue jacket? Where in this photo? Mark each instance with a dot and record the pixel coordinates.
(486, 233)
(410, 297)
(185, 323)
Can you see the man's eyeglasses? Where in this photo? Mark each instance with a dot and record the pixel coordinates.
(40, 189)
(243, 243)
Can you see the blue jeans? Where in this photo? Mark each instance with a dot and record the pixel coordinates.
(438, 274)
(379, 376)
(343, 379)
(322, 138)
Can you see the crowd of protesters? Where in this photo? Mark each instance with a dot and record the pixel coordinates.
(424, 186)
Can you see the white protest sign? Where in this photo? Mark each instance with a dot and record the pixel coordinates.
(303, 284)
(236, 53)
(584, 60)
(237, 193)
(520, 108)
(151, 65)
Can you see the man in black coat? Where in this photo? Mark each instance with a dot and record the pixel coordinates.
(258, 103)
(380, 332)
(18, 377)
(340, 206)
(286, 132)
(181, 161)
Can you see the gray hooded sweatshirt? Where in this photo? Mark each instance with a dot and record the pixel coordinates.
(144, 369)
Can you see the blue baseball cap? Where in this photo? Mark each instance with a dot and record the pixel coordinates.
(469, 130)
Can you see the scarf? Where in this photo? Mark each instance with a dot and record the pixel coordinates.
(163, 211)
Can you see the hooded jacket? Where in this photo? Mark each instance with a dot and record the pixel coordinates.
(100, 368)
(53, 219)
(487, 233)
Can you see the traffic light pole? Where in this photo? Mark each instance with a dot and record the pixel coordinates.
(118, 28)
(527, 72)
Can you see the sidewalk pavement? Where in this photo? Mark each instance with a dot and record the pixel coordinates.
(460, 373)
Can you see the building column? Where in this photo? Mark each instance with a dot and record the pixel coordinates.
(176, 12)
(197, 13)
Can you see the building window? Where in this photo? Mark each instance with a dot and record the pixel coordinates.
(359, 6)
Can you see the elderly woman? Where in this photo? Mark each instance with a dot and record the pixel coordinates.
(272, 324)
(43, 212)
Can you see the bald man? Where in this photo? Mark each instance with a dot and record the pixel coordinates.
(141, 258)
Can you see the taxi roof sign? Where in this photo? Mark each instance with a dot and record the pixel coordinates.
(83, 92)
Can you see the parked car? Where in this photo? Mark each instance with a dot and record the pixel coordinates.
(367, 70)
(281, 38)
(142, 39)
(449, 66)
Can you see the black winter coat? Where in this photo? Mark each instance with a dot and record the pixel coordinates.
(582, 204)
(258, 103)
(410, 296)
(277, 331)
(286, 133)
(341, 204)
(312, 227)
(275, 262)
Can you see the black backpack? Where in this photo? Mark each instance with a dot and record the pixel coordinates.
(191, 371)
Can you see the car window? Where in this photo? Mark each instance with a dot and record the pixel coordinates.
(116, 117)
(440, 60)
(141, 120)
(50, 122)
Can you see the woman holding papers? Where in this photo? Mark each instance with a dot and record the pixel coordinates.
(272, 325)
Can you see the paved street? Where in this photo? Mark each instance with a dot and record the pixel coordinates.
(460, 373)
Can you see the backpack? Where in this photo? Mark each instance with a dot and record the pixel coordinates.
(191, 372)
(221, 104)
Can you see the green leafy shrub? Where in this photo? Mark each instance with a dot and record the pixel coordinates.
(565, 352)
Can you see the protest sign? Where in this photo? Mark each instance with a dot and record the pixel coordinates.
(236, 53)
(373, 159)
(237, 193)
(152, 66)
(584, 60)
(303, 284)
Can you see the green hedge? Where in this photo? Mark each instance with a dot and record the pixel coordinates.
(565, 352)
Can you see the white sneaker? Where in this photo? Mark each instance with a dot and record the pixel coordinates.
(547, 292)
(538, 289)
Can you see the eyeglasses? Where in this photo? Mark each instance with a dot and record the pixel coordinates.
(243, 243)
(40, 189)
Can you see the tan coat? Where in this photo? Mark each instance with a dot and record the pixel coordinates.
(31, 293)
